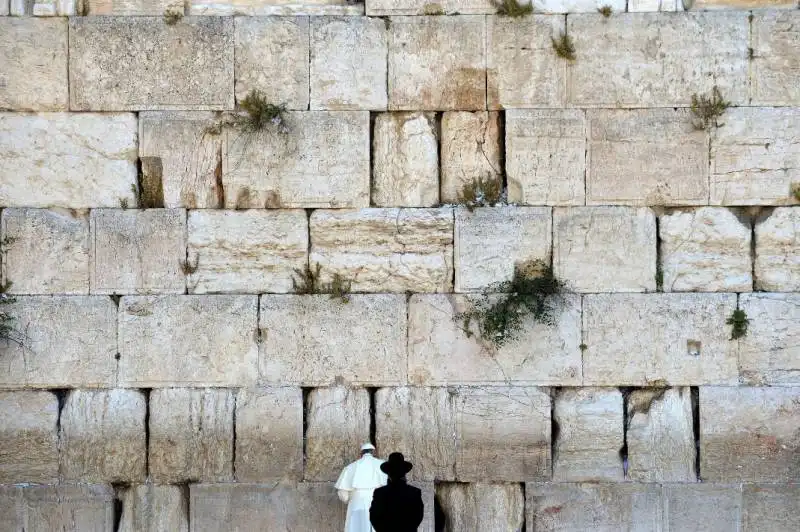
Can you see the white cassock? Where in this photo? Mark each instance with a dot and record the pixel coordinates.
(355, 486)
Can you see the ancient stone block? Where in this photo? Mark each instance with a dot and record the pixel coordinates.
(188, 341)
(470, 150)
(702, 507)
(322, 161)
(269, 434)
(67, 508)
(693, 53)
(3, 7)
(705, 250)
(61, 342)
(428, 7)
(67, 160)
(45, 252)
(34, 56)
(769, 354)
(775, 64)
(42, 8)
(771, 507)
(103, 436)
(151, 508)
(576, 6)
(643, 6)
(385, 250)
(437, 63)
(482, 506)
(314, 340)
(749, 434)
(777, 266)
(428, 490)
(191, 435)
(28, 437)
(138, 251)
(137, 8)
(677, 339)
(605, 249)
(275, 7)
(188, 65)
(272, 57)
(546, 156)
(740, 4)
(254, 251)
(406, 152)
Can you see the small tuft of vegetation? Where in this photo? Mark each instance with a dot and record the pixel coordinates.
(512, 8)
(659, 277)
(432, 9)
(172, 15)
(188, 268)
(706, 110)
(481, 192)
(584, 347)
(605, 11)
(738, 322)
(564, 47)
(123, 203)
(796, 191)
(338, 288)
(7, 331)
(260, 113)
(308, 282)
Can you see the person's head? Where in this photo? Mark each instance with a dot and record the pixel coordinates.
(396, 467)
(367, 448)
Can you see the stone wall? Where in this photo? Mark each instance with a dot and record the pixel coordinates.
(167, 372)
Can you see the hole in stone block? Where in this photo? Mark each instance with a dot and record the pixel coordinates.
(693, 347)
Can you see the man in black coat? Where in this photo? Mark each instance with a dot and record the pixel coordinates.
(396, 507)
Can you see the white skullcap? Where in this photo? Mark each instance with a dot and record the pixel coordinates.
(367, 447)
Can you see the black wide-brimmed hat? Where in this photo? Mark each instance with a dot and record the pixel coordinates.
(396, 466)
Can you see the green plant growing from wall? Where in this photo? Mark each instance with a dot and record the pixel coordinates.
(605, 11)
(738, 322)
(308, 282)
(564, 47)
(258, 114)
(707, 110)
(188, 268)
(172, 15)
(480, 192)
(7, 331)
(796, 191)
(512, 8)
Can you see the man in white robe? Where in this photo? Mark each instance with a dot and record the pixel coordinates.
(355, 486)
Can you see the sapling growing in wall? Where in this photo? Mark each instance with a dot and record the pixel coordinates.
(707, 110)
(605, 11)
(564, 47)
(738, 322)
(513, 8)
(481, 192)
(172, 15)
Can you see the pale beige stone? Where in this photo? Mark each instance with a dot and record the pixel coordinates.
(775, 65)
(771, 507)
(254, 251)
(546, 156)
(770, 351)
(739, 4)
(385, 250)
(437, 63)
(749, 434)
(677, 339)
(315, 340)
(188, 65)
(188, 341)
(152, 508)
(470, 150)
(482, 506)
(64, 507)
(135, 8)
(275, 7)
(428, 490)
(429, 7)
(28, 437)
(4, 7)
(269, 434)
(103, 436)
(576, 6)
(640, 6)
(777, 265)
(702, 507)
(67, 160)
(322, 161)
(191, 435)
(43, 8)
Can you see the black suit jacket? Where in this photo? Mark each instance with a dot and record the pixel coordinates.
(396, 507)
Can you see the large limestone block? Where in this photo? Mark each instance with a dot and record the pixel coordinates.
(269, 434)
(337, 424)
(740, 4)
(643, 6)
(660, 436)
(441, 352)
(605, 249)
(322, 161)
(775, 63)
(749, 434)
(702, 507)
(65, 507)
(653, 60)
(769, 354)
(771, 507)
(138, 251)
(45, 252)
(70, 160)
(63, 342)
(28, 437)
(191, 435)
(34, 56)
(103, 436)
(482, 506)
(428, 490)
(385, 250)
(755, 156)
(777, 266)
(428, 7)
(136, 8)
(705, 250)
(576, 6)
(4, 7)
(275, 7)
(406, 168)
(153, 508)
(470, 150)
(188, 341)
(546, 156)
(188, 65)
(642, 339)
(253, 251)
(315, 340)
(43, 8)
(437, 63)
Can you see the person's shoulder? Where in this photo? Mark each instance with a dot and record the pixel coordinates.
(413, 489)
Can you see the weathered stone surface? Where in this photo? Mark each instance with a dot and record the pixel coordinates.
(755, 156)
(775, 64)
(67, 160)
(3, 7)
(269, 434)
(28, 437)
(702, 507)
(151, 508)
(338, 423)
(705, 250)
(482, 506)
(652, 60)
(137, 8)
(660, 436)
(62, 342)
(66, 508)
(253, 251)
(322, 161)
(470, 150)
(777, 265)
(428, 490)
(138, 251)
(641, 340)
(275, 7)
(428, 7)
(188, 341)
(191, 435)
(34, 56)
(740, 4)
(385, 250)
(437, 63)
(103, 436)
(45, 252)
(546, 156)
(313, 340)
(272, 57)
(771, 507)
(576, 6)
(188, 65)
(43, 8)
(641, 6)
(749, 434)
(605, 249)
(770, 351)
